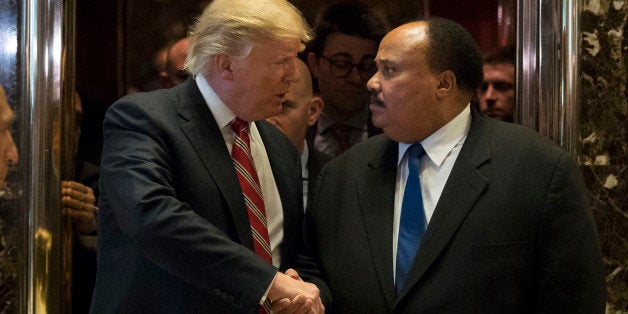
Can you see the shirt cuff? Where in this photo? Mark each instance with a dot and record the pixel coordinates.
(87, 240)
(265, 296)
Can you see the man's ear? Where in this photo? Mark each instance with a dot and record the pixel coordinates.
(312, 64)
(224, 65)
(446, 83)
(164, 80)
(314, 110)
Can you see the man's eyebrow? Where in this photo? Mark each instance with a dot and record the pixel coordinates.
(384, 61)
(340, 54)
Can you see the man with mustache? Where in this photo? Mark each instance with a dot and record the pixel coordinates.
(449, 211)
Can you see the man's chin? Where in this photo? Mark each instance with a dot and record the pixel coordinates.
(377, 121)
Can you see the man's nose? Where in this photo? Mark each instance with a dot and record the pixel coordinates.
(12, 155)
(354, 75)
(373, 84)
(292, 72)
(490, 92)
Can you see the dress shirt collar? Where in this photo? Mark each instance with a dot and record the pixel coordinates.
(304, 158)
(219, 110)
(438, 145)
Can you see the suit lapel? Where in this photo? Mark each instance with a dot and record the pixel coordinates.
(278, 159)
(292, 204)
(376, 192)
(463, 187)
(201, 129)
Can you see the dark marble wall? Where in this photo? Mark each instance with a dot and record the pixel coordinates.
(604, 133)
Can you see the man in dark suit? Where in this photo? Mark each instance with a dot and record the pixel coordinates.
(503, 224)
(300, 111)
(186, 224)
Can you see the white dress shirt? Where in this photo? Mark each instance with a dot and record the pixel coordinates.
(441, 151)
(305, 173)
(272, 200)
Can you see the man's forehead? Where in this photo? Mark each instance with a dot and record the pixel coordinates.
(508, 67)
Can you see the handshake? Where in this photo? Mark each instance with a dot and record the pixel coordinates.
(290, 294)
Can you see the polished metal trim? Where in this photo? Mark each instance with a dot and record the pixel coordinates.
(548, 70)
(570, 135)
(42, 66)
(527, 47)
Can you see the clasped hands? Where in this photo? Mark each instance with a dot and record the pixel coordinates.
(290, 294)
(78, 201)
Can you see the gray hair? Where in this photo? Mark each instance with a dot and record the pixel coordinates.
(232, 26)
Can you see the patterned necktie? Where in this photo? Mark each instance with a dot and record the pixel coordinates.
(342, 132)
(412, 224)
(245, 169)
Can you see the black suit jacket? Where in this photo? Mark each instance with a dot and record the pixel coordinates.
(511, 233)
(174, 234)
(315, 162)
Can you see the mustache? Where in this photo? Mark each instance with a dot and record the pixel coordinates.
(376, 101)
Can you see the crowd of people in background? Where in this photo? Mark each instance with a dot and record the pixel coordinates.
(272, 172)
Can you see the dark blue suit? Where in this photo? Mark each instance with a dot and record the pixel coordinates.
(173, 229)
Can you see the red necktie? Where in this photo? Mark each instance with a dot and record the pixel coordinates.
(342, 132)
(245, 169)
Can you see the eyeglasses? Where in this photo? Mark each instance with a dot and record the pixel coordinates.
(342, 68)
(499, 86)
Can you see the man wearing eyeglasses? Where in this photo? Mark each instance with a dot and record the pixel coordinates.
(496, 95)
(341, 59)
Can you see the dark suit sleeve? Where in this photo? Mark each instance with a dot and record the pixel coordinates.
(296, 255)
(137, 180)
(307, 263)
(571, 274)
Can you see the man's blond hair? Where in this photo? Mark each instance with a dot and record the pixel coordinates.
(232, 26)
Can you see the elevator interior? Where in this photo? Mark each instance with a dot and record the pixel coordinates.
(104, 50)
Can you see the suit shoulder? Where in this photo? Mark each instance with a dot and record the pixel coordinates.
(269, 131)
(363, 151)
(147, 100)
(518, 139)
(368, 145)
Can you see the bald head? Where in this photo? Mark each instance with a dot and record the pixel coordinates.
(424, 80)
(303, 88)
(300, 110)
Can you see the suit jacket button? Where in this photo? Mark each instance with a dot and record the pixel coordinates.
(231, 299)
(223, 295)
(217, 291)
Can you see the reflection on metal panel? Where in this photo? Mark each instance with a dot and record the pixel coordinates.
(31, 66)
(42, 67)
(570, 66)
(12, 213)
(547, 79)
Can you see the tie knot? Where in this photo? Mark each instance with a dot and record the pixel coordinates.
(416, 150)
(238, 125)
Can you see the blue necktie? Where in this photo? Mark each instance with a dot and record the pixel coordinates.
(412, 223)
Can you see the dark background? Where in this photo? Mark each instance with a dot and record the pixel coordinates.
(117, 43)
